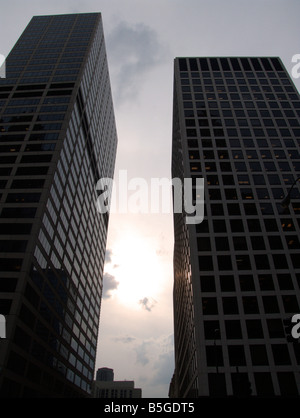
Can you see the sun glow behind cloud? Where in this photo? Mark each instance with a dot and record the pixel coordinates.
(135, 265)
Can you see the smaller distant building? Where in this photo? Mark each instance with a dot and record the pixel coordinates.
(105, 374)
(105, 387)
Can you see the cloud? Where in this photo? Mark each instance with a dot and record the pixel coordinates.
(125, 340)
(132, 52)
(147, 304)
(109, 283)
(141, 354)
(163, 366)
(164, 369)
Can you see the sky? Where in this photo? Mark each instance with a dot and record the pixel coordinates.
(142, 39)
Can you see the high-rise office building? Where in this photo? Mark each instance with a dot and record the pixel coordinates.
(237, 273)
(57, 139)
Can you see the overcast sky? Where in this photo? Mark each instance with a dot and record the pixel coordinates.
(142, 39)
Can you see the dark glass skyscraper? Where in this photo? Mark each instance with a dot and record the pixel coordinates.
(237, 274)
(57, 139)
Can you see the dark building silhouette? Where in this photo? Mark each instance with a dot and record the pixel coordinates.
(57, 139)
(237, 273)
(104, 374)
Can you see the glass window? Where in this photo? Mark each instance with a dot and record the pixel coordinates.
(250, 304)
(273, 179)
(270, 304)
(212, 180)
(247, 194)
(231, 194)
(28, 184)
(230, 305)
(224, 262)
(207, 283)
(236, 355)
(233, 209)
(287, 383)
(203, 244)
(258, 243)
(243, 262)
(285, 281)
(209, 306)
(240, 243)
(266, 282)
(214, 356)
(266, 208)
(214, 194)
(223, 165)
(261, 262)
(255, 166)
(254, 328)
(259, 179)
(280, 261)
(262, 193)
(15, 212)
(280, 354)
(217, 209)
(271, 225)
(290, 303)
(287, 224)
(233, 329)
(259, 355)
(263, 383)
(227, 283)
(242, 178)
(275, 242)
(205, 263)
(250, 209)
(211, 329)
(246, 282)
(222, 243)
(10, 264)
(275, 328)
(236, 225)
(219, 225)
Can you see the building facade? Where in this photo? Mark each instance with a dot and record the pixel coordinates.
(57, 139)
(237, 273)
(106, 387)
(115, 389)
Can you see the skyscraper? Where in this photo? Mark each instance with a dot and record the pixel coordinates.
(57, 139)
(237, 273)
